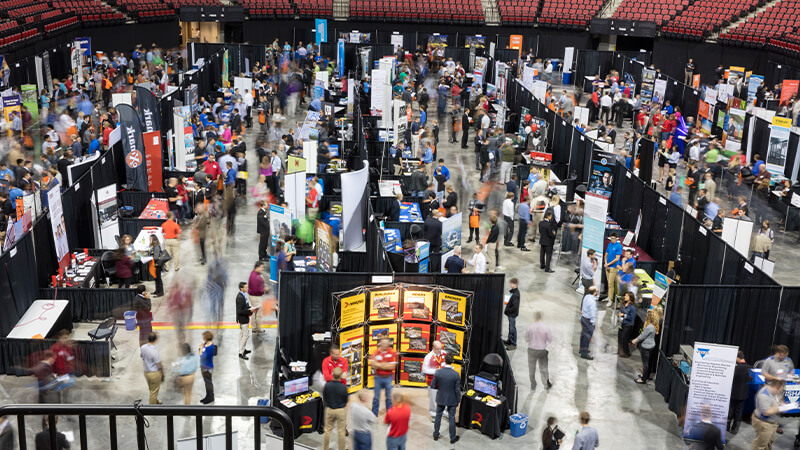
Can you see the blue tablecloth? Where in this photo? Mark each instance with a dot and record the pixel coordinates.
(792, 392)
(410, 212)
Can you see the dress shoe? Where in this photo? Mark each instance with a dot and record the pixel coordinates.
(549, 384)
(525, 249)
(549, 270)
(586, 356)
(511, 347)
(243, 356)
(435, 438)
(246, 352)
(541, 267)
(453, 441)
(469, 240)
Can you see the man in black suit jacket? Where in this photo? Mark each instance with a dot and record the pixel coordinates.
(547, 239)
(394, 210)
(709, 434)
(433, 231)
(243, 313)
(447, 382)
(262, 228)
(739, 392)
(211, 187)
(465, 128)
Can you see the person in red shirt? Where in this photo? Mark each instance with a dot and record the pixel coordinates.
(384, 363)
(397, 418)
(211, 166)
(64, 349)
(106, 133)
(433, 361)
(333, 361)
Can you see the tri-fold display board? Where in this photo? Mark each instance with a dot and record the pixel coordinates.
(411, 317)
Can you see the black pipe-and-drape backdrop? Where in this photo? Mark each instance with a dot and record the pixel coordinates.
(18, 282)
(307, 308)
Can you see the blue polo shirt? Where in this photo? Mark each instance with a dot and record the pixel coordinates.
(525, 212)
(612, 251)
(757, 167)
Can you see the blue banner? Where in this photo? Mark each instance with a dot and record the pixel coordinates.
(321, 27)
(340, 58)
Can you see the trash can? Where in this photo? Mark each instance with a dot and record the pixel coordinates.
(566, 78)
(130, 320)
(263, 402)
(519, 424)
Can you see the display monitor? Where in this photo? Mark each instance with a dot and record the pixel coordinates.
(485, 386)
(295, 387)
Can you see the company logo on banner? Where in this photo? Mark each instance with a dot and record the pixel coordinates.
(321, 27)
(133, 145)
(152, 146)
(709, 388)
(146, 105)
(778, 145)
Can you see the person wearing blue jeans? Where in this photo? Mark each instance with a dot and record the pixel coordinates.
(512, 311)
(361, 420)
(383, 363)
(588, 320)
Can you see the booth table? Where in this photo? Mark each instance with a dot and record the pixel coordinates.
(306, 417)
(43, 319)
(491, 420)
(791, 392)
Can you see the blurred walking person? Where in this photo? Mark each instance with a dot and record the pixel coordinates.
(185, 368)
(208, 350)
(538, 336)
(255, 295)
(361, 422)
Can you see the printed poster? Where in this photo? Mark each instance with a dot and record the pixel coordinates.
(736, 118)
(353, 310)
(30, 99)
(752, 86)
(280, 224)
(411, 372)
(59, 227)
(788, 90)
(384, 304)
(648, 82)
(778, 144)
(417, 303)
(451, 309)
(351, 345)
(451, 233)
(452, 339)
(734, 73)
(415, 338)
(709, 388)
(659, 91)
(601, 179)
(661, 283)
(325, 246)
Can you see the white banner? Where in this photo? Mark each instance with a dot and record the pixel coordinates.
(540, 91)
(295, 194)
(280, 223)
(354, 188)
(569, 53)
(377, 89)
(709, 388)
(58, 225)
(659, 90)
(397, 41)
(107, 218)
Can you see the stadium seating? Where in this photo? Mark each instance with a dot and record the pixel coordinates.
(518, 12)
(777, 20)
(268, 9)
(569, 14)
(657, 11)
(704, 17)
(91, 12)
(420, 11)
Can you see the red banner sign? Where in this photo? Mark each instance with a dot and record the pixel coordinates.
(152, 148)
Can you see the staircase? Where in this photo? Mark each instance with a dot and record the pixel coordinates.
(491, 12)
(609, 9)
(749, 16)
(341, 9)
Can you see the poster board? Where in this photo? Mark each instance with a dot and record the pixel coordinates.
(451, 309)
(353, 310)
(452, 339)
(417, 303)
(648, 83)
(601, 178)
(659, 90)
(381, 331)
(325, 245)
(59, 227)
(351, 345)
(778, 145)
(384, 304)
(710, 387)
(660, 284)
(107, 216)
(411, 372)
(280, 224)
(415, 337)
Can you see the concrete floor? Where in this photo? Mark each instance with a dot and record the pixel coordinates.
(626, 415)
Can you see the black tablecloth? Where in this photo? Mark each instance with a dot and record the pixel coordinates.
(91, 278)
(93, 304)
(671, 385)
(473, 413)
(306, 418)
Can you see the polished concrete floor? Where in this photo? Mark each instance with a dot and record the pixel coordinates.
(626, 415)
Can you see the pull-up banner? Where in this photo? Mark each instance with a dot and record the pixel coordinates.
(147, 106)
(132, 143)
(709, 389)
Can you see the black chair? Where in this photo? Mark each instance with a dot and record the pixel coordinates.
(105, 331)
(109, 266)
(491, 367)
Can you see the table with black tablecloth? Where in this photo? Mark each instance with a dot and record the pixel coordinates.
(671, 384)
(491, 420)
(306, 417)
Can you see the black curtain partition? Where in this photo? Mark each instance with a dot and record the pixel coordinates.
(93, 304)
(45, 250)
(137, 200)
(20, 355)
(787, 324)
(18, 282)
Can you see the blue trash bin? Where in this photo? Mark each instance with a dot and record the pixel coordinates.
(130, 320)
(566, 78)
(263, 402)
(519, 424)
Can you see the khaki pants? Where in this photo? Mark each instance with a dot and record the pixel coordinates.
(255, 319)
(491, 257)
(611, 279)
(186, 382)
(154, 385)
(244, 333)
(332, 418)
(173, 247)
(765, 434)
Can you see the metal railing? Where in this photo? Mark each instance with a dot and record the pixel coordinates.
(141, 413)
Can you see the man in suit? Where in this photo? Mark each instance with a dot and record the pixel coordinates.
(465, 128)
(433, 231)
(454, 264)
(394, 211)
(739, 392)
(211, 187)
(707, 432)
(262, 228)
(42, 438)
(243, 313)
(547, 239)
(447, 383)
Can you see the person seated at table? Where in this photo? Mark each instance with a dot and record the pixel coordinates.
(762, 178)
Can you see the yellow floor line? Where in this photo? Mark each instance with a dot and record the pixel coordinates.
(209, 327)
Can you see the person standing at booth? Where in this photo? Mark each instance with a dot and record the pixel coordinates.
(766, 414)
(262, 228)
(512, 311)
(172, 242)
(433, 361)
(335, 396)
(333, 361)
(612, 265)
(383, 362)
(243, 313)
(778, 367)
(739, 392)
(447, 383)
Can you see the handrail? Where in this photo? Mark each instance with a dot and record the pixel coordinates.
(141, 412)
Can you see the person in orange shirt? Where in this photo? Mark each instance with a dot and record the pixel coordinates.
(172, 244)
